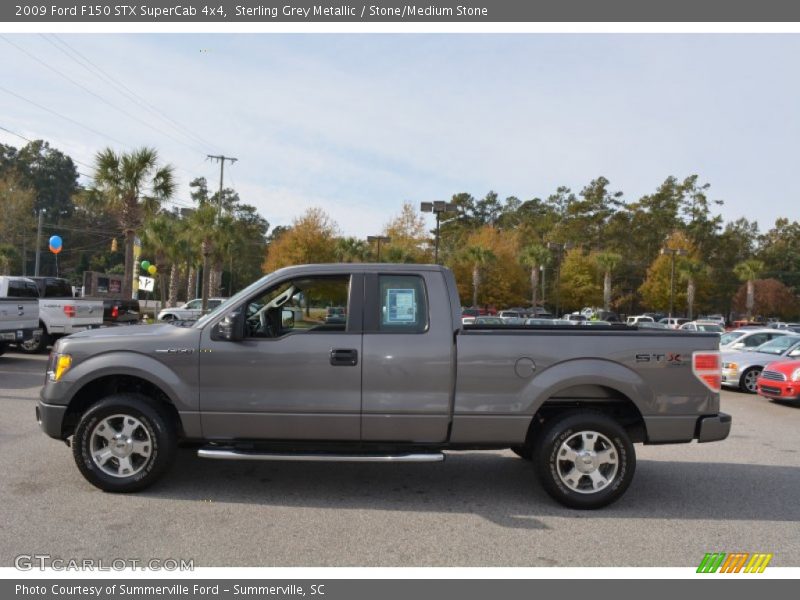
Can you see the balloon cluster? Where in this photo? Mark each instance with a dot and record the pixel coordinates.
(56, 244)
(150, 268)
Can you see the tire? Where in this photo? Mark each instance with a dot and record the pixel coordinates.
(747, 382)
(144, 443)
(524, 452)
(591, 433)
(36, 345)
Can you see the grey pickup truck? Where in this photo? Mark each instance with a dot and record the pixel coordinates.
(393, 376)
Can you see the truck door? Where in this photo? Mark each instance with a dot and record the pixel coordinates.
(408, 358)
(297, 373)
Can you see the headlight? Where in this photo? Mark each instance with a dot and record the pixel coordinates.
(731, 366)
(59, 365)
(796, 375)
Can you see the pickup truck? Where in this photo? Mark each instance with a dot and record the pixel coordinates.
(60, 313)
(265, 377)
(19, 310)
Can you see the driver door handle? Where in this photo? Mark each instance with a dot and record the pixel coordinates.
(344, 357)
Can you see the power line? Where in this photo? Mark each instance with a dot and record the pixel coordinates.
(98, 96)
(30, 141)
(123, 89)
(59, 115)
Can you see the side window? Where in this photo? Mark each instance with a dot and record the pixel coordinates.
(22, 289)
(755, 340)
(403, 304)
(310, 305)
(195, 304)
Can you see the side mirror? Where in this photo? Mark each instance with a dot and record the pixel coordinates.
(231, 328)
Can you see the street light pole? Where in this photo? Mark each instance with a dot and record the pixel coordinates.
(560, 247)
(672, 252)
(437, 207)
(379, 239)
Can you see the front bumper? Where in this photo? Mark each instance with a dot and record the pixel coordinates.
(730, 377)
(779, 390)
(714, 427)
(51, 418)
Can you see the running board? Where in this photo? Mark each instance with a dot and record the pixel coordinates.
(222, 454)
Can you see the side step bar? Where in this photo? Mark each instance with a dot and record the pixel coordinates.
(229, 454)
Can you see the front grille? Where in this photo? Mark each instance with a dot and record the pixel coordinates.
(773, 376)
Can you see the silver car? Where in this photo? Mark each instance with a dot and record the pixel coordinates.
(748, 339)
(741, 369)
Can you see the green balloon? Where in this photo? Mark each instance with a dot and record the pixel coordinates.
(145, 264)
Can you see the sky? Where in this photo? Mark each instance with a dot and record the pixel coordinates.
(358, 124)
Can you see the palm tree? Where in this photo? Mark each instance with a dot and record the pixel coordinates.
(201, 227)
(534, 256)
(159, 233)
(132, 185)
(688, 272)
(608, 261)
(350, 249)
(478, 256)
(748, 271)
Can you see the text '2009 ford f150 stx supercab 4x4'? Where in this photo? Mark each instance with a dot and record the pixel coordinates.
(266, 376)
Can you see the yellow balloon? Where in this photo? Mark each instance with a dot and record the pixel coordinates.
(152, 269)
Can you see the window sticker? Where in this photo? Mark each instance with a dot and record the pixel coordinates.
(401, 305)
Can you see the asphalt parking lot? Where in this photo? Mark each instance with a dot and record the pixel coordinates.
(476, 509)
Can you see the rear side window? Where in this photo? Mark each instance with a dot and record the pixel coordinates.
(22, 289)
(403, 304)
(57, 288)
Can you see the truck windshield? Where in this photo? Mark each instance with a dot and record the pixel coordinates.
(778, 345)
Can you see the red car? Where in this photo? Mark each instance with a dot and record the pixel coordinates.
(780, 380)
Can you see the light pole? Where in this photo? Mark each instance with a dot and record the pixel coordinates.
(560, 248)
(379, 239)
(672, 252)
(437, 207)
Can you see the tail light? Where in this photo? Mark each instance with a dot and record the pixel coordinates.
(115, 312)
(69, 310)
(707, 367)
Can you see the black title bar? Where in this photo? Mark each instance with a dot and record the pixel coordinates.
(485, 11)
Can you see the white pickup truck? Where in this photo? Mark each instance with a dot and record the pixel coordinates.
(60, 314)
(19, 310)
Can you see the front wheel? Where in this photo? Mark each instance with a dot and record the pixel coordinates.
(584, 459)
(749, 381)
(124, 443)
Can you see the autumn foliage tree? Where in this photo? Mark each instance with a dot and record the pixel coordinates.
(310, 239)
(771, 298)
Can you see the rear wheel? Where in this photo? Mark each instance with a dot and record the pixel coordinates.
(748, 380)
(124, 443)
(584, 459)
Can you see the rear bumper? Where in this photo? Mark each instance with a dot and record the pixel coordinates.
(682, 429)
(713, 428)
(50, 418)
(18, 335)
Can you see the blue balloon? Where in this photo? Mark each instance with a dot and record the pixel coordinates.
(55, 241)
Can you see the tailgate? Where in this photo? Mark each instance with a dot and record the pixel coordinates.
(16, 313)
(87, 313)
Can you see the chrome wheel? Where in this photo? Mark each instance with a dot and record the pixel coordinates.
(587, 462)
(120, 445)
(750, 380)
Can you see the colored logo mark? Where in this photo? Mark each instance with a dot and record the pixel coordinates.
(735, 562)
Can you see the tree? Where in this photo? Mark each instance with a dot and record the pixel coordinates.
(478, 257)
(771, 298)
(534, 257)
(607, 261)
(578, 278)
(132, 185)
(17, 223)
(351, 249)
(656, 290)
(748, 271)
(688, 272)
(407, 237)
(310, 239)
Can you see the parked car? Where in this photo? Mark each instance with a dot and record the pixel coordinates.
(674, 322)
(486, 320)
(652, 325)
(547, 322)
(745, 339)
(704, 326)
(336, 314)
(780, 381)
(190, 311)
(742, 369)
(639, 319)
(511, 314)
(248, 387)
(574, 318)
(19, 310)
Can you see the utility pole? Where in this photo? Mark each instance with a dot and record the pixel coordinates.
(379, 239)
(38, 244)
(221, 158)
